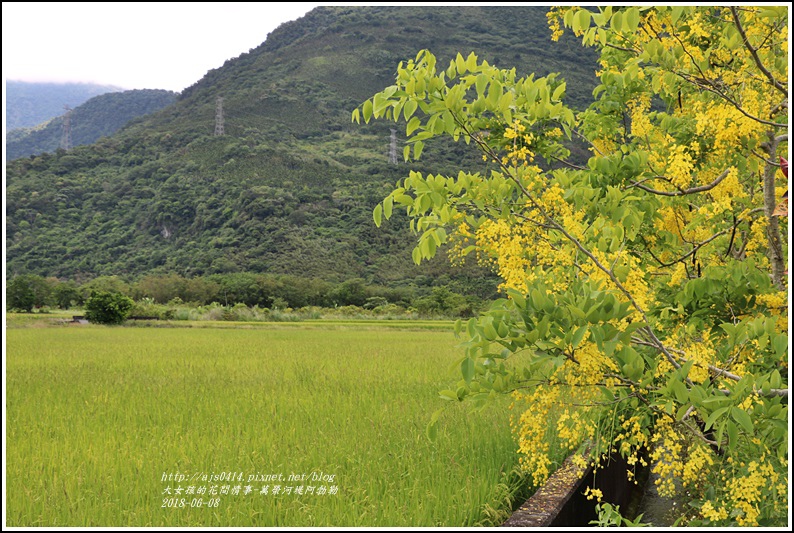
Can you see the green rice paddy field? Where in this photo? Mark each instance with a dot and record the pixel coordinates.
(103, 422)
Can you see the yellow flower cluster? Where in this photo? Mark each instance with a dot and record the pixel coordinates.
(532, 428)
(579, 461)
(593, 493)
(515, 130)
(634, 281)
(553, 18)
(725, 194)
(681, 465)
(663, 368)
(756, 243)
(696, 28)
(709, 512)
(551, 416)
(602, 146)
(745, 491)
(777, 305)
(521, 251)
(679, 166)
(666, 457)
(694, 141)
(698, 349)
(459, 240)
(725, 124)
(520, 152)
(592, 364)
(629, 442)
(506, 246)
(678, 275)
(698, 459)
(672, 220)
(640, 122)
(571, 426)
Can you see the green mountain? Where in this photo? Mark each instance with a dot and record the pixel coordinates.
(290, 185)
(28, 104)
(98, 117)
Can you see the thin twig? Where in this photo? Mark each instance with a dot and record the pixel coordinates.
(680, 192)
(754, 52)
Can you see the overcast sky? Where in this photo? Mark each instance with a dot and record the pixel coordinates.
(136, 45)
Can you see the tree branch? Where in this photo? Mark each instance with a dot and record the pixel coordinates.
(754, 52)
(776, 258)
(682, 192)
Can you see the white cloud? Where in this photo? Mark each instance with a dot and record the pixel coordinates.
(133, 45)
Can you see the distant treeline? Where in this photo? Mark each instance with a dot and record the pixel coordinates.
(271, 291)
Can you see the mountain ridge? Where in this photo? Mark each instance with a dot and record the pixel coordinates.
(99, 116)
(29, 104)
(291, 185)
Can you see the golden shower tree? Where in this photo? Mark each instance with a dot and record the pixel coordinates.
(645, 308)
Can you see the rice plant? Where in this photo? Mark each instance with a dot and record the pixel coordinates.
(102, 422)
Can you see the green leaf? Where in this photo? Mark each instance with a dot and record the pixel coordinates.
(366, 110)
(409, 108)
(418, 147)
(440, 236)
(780, 344)
(733, 435)
(448, 395)
(583, 19)
(376, 214)
(379, 103)
(633, 19)
(504, 102)
(675, 13)
(449, 122)
(481, 83)
(467, 369)
(429, 248)
(696, 395)
(460, 64)
(775, 380)
(489, 332)
(576, 312)
(714, 416)
(412, 125)
(578, 336)
(680, 391)
(558, 92)
(616, 22)
(431, 431)
(742, 418)
(471, 62)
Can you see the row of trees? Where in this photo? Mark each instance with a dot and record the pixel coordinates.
(646, 309)
(29, 291)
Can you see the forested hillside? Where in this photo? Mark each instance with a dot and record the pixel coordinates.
(98, 117)
(290, 186)
(29, 104)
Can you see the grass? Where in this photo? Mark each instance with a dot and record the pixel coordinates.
(366, 324)
(97, 415)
